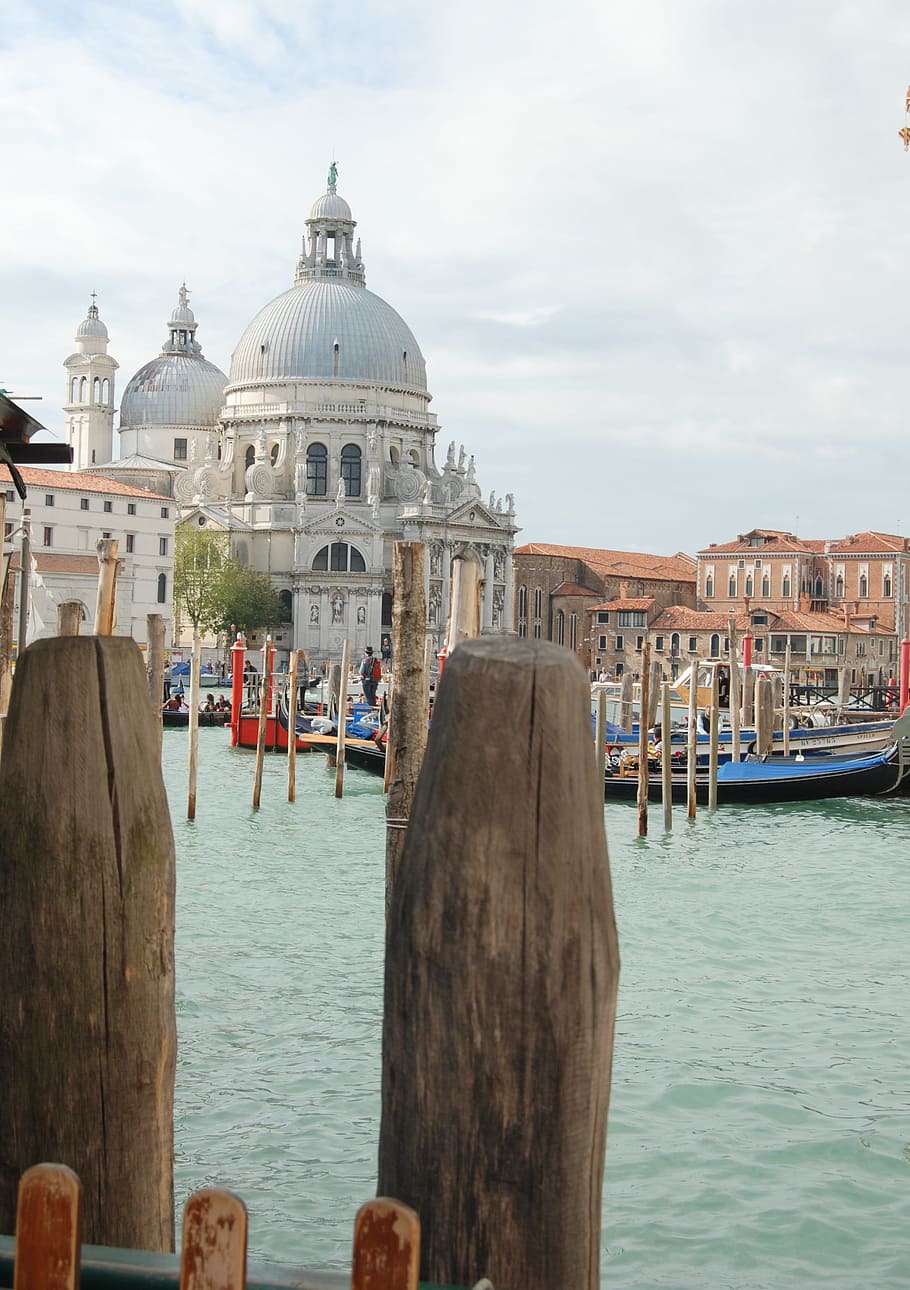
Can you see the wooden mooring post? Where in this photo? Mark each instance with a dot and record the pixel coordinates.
(497, 1051)
(342, 718)
(692, 741)
(407, 734)
(106, 601)
(644, 707)
(87, 879)
(265, 696)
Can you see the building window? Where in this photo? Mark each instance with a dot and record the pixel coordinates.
(573, 631)
(249, 457)
(522, 611)
(273, 453)
(179, 450)
(759, 644)
(560, 628)
(162, 546)
(48, 499)
(165, 512)
(693, 644)
(48, 537)
(785, 587)
(603, 616)
(658, 644)
(601, 642)
(130, 543)
(162, 588)
(350, 469)
(7, 530)
(748, 591)
(639, 643)
(886, 586)
(709, 587)
(731, 585)
(674, 644)
(108, 506)
(863, 586)
(619, 644)
(131, 508)
(340, 558)
(106, 534)
(765, 585)
(83, 503)
(715, 645)
(316, 470)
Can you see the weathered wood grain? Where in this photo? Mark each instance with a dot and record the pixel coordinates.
(86, 959)
(501, 977)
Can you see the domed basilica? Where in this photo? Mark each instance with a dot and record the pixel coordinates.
(315, 453)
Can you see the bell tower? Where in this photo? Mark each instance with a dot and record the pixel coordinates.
(89, 403)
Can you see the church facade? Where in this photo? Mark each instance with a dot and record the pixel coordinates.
(316, 452)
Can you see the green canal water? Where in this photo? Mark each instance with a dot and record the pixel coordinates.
(759, 1132)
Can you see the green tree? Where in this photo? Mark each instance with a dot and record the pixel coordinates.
(248, 600)
(202, 559)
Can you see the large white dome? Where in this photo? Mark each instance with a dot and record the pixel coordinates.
(179, 387)
(326, 329)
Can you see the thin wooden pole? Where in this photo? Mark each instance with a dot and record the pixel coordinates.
(407, 733)
(106, 603)
(654, 692)
(764, 716)
(786, 704)
(89, 1045)
(262, 729)
(713, 736)
(644, 707)
(298, 658)
(625, 703)
(7, 615)
(666, 756)
(342, 719)
(600, 736)
(735, 694)
(528, 1061)
(193, 754)
(692, 740)
(25, 576)
(155, 633)
(749, 714)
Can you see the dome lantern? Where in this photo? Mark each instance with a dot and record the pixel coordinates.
(330, 234)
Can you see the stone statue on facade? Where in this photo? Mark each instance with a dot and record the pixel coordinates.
(337, 608)
(435, 561)
(314, 615)
(340, 493)
(361, 616)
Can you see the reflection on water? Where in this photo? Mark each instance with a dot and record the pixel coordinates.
(760, 1113)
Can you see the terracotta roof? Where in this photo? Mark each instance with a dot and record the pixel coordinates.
(868, 543)
(639, 602)
(573, 589)
(58, 562)
(78, 481)
(682, 618)
(623, 564)
(776, 542)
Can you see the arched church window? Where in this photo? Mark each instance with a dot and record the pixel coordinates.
(340, 558)
(335, 353)
(162, 588)
(96, 390)
(560, 628)
(350, 469)
(273, 453)
(404, 366)
(286, 602)
(74, 389)
(105, 391)
(249, 457)
(522, 611)
(316, 470)
(393, 456)
(83, 388)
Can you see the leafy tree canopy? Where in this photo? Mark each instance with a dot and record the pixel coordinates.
(214, 592)
(248, 601)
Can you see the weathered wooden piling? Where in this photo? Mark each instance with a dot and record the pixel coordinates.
(106, 602)
(86, 959)
(192, 775)
(600, 735)
(47, 1229)
(265, 693)
(713, 737)
(764, 716)
(785, 724)
(501, 976)
(154, 626)
(70, 615)
(297, 660)
(692, 741)
(735, 694)
(407, 735)
(644, 707)
(666, 755)
(625, 703)
(342, 718)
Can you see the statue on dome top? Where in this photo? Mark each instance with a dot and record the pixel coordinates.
(182, 296)
(333, 175)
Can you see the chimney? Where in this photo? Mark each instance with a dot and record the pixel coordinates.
(623, 590)
(804, 602)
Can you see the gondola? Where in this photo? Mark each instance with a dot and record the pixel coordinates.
(784, 779)
(173, 720)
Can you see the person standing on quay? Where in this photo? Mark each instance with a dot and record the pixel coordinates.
(370, 671)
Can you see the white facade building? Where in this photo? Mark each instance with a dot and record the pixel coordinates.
(317, 451)
(68, 512)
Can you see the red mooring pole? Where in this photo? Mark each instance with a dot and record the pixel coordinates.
(238, 654)
(904, 692)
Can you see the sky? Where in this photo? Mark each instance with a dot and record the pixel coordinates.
(656, 254)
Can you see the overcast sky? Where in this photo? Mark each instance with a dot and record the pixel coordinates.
(656, 253)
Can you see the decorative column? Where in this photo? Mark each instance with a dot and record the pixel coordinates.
(446, 588)
(508, 624)
(486, 613)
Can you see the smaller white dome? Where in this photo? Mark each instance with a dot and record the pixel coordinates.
(331, 206)
(92, 326)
